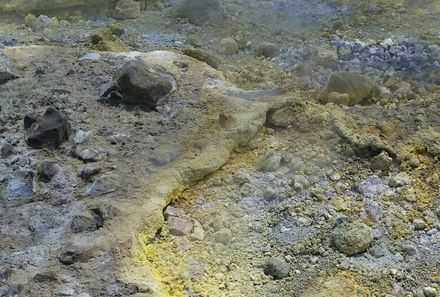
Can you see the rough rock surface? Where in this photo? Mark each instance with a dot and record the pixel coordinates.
(358, 87)
(136, 84)
(50, 130)
(352, 239)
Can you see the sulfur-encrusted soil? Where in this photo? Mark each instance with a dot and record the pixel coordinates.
(240, 182)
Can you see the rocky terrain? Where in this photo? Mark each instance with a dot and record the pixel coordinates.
(219, 148)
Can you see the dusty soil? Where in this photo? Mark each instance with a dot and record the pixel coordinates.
(240, 182)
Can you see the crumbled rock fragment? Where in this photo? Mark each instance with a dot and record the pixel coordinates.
(48, 131)
(6, 149)
(419, 224)
(430, 292)
(179, 226)
(5, 71)
(352, 238)
(89, 220)
(104, 184)
(399, 180)
(46, 170)
(137, 84)
(91, 154)
(81, 136)
(267, 50)
(277, 267)
(197, 232)
(43, 277)
(89, 171)
(70, 254)
(381, 162)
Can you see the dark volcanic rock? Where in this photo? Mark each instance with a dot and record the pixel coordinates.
(277, 267)
(70, 255)
(136, 84)
(49, 131)
(46, 170)
(87, 221)
(6, 76)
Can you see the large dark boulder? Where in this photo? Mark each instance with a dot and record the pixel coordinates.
(47, 131)
(137, 84)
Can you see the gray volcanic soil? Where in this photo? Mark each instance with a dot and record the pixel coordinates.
(243, 181)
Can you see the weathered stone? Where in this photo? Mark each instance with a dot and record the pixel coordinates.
(381, 162)
(199, 12)
(81, 136)
(20, 186)
(29, 119)
(197, 232)
(164, 156)
(399, 180)
(419, 224)
(358, 87)
(283, 117)
(203, 56)
(6, 150)
(30, 20)
(89, 171)
(270, 163)
(89, 220)
(127, 9)
(179, 226)
(91, 155)
(46, 170)
(116, 46)
(430, 292)
(70, 254)
(267, 50)
(44, 22)
(49, 131)
(338, 98)
(101, 34)
(104, 184)
(277, 267)
(228, 47)
(352, 238)
(45, 277)
(136, 84)
(5, 71)
(336, 287)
